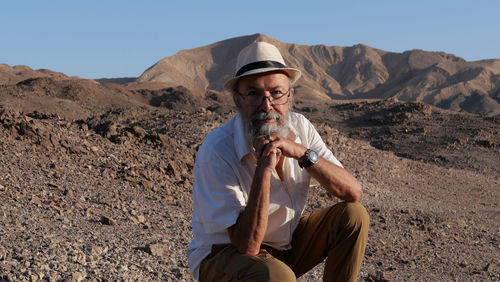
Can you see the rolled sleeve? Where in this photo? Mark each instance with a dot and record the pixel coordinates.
(316, 143)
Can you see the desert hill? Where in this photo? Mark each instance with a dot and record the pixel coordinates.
(23, 89)
(356, 72)
(12, 75)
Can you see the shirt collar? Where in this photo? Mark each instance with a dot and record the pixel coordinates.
(240, 141)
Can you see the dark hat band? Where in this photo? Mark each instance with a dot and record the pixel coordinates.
(259, 65)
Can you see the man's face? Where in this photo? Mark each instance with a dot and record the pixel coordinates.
(266, 117)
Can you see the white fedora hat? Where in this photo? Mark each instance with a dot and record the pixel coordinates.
(260, 57)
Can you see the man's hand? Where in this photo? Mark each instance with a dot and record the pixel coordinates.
(267, 155)
(276, 142)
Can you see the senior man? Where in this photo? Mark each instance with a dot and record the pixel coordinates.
(251, 179)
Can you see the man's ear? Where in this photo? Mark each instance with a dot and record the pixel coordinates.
(292, 91)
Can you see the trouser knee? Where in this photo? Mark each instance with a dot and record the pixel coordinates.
(355, 215)
(225, 263)
(272, 270)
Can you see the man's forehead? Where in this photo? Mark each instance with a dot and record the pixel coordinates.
(266, 86)
(272, 80)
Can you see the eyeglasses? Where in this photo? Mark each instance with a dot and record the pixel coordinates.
(255, 98)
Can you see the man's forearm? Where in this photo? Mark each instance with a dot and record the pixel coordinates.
(248, 232)
(336, 180)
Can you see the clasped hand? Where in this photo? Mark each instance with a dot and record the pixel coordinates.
(270, 148)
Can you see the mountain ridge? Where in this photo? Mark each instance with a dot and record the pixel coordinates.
(356, 72)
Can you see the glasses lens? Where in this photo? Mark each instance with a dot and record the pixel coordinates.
(254, 100)
(280, 99)
(275, 98)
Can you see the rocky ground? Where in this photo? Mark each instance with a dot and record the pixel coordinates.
(108, 197)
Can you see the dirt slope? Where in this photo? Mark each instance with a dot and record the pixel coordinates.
(108, 197)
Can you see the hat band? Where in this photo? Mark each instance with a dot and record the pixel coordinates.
(259, 65)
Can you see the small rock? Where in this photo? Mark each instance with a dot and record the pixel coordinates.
(141, 219)
(54, 140)
(147, 184)
(54, 185)
(27, 118)
(173, 170)
(163, 139)
(78, 149)
(123, 268)
(68, 193)
(376, 277)
(80, 258)
(139, 131)
(97, 251)
(111, 130)
(77, 277)
(158, 249)
(108, 220)
(35, 200)
(3, 253)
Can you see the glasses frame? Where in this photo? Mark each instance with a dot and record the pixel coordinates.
(271, 99)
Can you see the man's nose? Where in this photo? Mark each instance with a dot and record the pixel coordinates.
(266, 104)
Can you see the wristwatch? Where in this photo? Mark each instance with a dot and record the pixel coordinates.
(312, 158)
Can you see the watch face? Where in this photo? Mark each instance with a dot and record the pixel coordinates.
(313, 156)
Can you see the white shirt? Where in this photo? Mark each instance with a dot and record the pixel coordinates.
(223, 173)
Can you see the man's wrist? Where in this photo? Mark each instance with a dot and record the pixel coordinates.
(263, 170)
(302, 156)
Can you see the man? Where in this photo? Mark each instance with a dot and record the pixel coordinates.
(251, 178)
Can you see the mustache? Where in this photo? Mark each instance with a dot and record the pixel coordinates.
(253, 130)
(263, 115)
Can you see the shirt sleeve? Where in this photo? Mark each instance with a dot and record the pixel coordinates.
(217, 196)
(316, 143)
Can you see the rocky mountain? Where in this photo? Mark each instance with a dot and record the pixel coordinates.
(356, 72)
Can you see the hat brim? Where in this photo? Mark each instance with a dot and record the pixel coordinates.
(292, 73)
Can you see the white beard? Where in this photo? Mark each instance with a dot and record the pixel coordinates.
(279, 127)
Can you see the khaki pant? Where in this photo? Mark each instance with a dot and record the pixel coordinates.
(337, 233)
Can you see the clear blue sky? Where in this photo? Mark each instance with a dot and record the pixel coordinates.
(109, 38)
